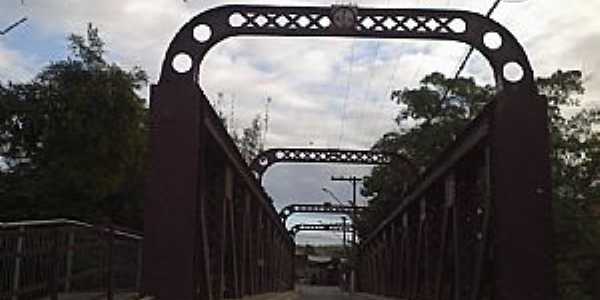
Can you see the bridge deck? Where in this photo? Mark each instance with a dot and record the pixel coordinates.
(331, 293)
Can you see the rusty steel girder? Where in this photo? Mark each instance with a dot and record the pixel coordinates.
(291, 209)
(180, 256)
(324, 155)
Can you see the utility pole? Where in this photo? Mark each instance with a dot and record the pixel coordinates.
(345, 272)
(353, 180)
(344, 238)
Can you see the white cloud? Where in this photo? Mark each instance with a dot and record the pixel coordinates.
(14, 65)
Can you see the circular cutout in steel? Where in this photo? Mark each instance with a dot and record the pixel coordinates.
(513, 72)
(458, 25)
(202, 33)
(237, 20)
(182, 62)
(325, 22)
(492, 40)
(263, 161)
(280, 154)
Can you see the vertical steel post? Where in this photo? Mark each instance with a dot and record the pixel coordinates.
(69, 266)
(246, 232)
(174, 256)
(521, 190)
(229, 216)
(18, 259)
(110, 240)
(483, 243)
(449, 198)
(54, 261)
(138, 274)
(456, 246)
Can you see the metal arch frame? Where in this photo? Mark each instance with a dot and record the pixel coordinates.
(291, 209)
(342, 21)
(320, 227)
(267, 158)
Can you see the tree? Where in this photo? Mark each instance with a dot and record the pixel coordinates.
(250, 142)
(427, 122)
(74, 139)
(575, 160)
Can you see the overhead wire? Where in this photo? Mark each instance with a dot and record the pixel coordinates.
(347, 93)
(466, 57)
(346, 96)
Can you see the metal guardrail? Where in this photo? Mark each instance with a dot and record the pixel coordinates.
(61, 258)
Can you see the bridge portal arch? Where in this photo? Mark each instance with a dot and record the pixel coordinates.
(188, 48)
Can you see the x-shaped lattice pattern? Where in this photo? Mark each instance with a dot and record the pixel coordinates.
(408, 24)
(319, 208)
(379, 23)
(266, 159)
(333, 156)
(281, 21)
(321, 227)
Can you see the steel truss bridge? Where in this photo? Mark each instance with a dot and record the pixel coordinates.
(476, 224)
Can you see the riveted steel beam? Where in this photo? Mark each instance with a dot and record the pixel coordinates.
(319, 209)
(325, 155)
(320, 227)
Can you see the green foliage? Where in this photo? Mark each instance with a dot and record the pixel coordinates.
(250, 142)
(575, 161)
(74, 139)
(427, 121)
(576, 190)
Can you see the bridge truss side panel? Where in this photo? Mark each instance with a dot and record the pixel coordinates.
(479, 224)
(210, 231)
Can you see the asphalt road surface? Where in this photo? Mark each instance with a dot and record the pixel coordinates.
(325, 293)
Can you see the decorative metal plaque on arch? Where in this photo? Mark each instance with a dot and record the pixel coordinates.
(267, 158)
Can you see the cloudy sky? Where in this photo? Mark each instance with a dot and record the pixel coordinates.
(325, 92)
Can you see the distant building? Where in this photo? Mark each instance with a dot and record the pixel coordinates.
(317, 269)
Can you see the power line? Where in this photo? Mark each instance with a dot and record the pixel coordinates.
(463, 64)
(347, 95)
(343, 121)
(13, 25)
(370, 78)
